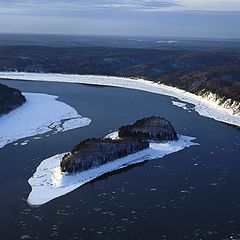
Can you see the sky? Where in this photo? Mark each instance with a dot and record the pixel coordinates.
(172, 18)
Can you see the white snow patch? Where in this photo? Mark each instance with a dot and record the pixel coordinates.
(75, 123)
(204, 105)
(180, 105)
(40, 114)
(113, 135)
(48, 182)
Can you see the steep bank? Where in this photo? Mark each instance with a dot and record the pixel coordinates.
(225, 93)
(10, 99)
(226, 103)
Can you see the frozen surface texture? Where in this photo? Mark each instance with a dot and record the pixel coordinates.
(40, 114)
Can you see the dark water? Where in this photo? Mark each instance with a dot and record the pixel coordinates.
(192, 194)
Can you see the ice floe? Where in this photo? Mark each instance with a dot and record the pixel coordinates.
(48, 182)
(204, 105)
(180, 105)
(40, 114)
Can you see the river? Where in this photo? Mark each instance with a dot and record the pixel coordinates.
(191, 194)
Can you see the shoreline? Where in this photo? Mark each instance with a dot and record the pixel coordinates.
(33, 118)
(205, 106)
(48, 182)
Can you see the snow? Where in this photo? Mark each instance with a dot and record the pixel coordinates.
(40, 114)
(180, 105)
(206, 106)
(75, 123)
(113, 136)
(48, 182)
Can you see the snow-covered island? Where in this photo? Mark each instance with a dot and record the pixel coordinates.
(146, 139)
(40, 113)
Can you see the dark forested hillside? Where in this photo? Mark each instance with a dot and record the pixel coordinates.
(10, 99)
(195, 66)
(223, 80)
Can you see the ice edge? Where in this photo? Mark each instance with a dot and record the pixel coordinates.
(206, 106)
(33, 118)
(48, 182)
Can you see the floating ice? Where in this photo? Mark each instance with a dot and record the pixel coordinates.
(180, 105)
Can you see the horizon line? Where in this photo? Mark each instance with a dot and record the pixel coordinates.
(122, 36)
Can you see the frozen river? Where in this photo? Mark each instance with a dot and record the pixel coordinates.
(191, 194)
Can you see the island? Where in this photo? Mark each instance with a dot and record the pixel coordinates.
(146, 139)
(131, 139)
(10, 99)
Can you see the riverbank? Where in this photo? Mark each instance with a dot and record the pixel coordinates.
(206, 105)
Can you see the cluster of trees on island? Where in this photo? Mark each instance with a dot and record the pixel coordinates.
(10, 98)
(151, 128)
(133, 138)
(95, 152)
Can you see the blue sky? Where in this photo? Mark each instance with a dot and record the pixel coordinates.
(180, 18)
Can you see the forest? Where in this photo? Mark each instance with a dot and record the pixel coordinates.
(133, 138)
(150, 128)
(95, 152)
(196, 68)
(10, 98)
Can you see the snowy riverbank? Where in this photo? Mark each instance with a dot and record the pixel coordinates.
(205, 106)
(40, 114)
(48, 182)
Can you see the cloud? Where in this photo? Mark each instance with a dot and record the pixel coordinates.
(58, 7)
(78, 7)
(30, 6)
(210, 18)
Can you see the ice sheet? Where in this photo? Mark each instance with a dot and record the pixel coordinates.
(40, 114)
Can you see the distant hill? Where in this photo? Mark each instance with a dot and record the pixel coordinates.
(10, 98)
